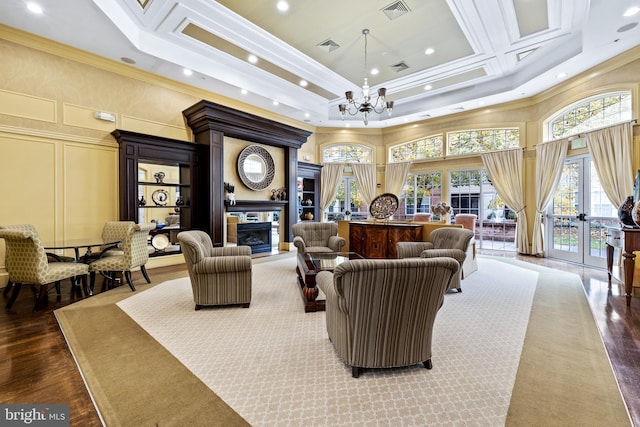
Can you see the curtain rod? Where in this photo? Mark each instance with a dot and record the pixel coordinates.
(583, 135)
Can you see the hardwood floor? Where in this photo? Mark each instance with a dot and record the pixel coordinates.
(37, 367)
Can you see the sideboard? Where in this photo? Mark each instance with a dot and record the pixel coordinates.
(378, 239)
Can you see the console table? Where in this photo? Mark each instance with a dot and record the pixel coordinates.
(378, 239)
(628, 239)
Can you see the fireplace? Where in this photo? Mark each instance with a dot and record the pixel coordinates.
(256, 235)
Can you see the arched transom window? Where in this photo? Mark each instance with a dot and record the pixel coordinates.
(592, 113)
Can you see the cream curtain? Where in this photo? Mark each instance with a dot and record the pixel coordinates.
(395, 177)
(365, 174)
(330, 178)
(550, 158)
(611, 152)
(505, 171)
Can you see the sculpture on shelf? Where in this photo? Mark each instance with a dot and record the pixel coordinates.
(231, 195)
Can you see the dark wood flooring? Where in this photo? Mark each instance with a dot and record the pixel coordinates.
(37, 367)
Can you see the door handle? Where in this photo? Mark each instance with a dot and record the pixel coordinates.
(582, 217)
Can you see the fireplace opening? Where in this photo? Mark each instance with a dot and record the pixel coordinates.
(256, 235)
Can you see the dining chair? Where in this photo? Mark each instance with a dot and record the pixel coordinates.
(50, 257)
(27, 263)
(134, 254)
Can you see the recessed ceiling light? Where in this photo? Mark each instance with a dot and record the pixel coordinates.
(276, 103)
(187, 72)
(347, 125)
(561, 75)
(253, 59)
(244, 91)
(304, 83)
(282, 6)
(632, 11)
(34, 8)
(429, 51)
(480, 102)
(374, 71)
(307, 115)
(428, 87)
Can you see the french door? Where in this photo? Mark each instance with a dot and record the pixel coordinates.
(578, 215)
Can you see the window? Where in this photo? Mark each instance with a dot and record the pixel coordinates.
(421, 191)
(424, 148)
(348, 198)
(472, 192)
(479, 140)
(347, 154)
(593, 113)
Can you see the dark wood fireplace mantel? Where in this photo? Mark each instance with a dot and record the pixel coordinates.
(255, 205)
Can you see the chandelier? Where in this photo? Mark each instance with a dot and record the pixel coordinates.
(366, 104)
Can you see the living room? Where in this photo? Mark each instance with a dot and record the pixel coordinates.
(63, 176)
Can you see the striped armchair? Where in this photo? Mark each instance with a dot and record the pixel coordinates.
(27, 264)
(134, 254)
(449, 242)
(219, 276)
(317, 237)
(380, 312)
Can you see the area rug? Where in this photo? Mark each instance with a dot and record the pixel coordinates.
(273, 364)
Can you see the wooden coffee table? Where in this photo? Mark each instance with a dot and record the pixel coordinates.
(310, 264)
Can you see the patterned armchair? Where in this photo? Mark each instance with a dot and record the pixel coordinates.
(219, 276)
(449, 242)
(134, 254)
(27, 263)
(317, 237)
(380, 313)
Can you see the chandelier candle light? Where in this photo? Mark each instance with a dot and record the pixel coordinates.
(366, 106)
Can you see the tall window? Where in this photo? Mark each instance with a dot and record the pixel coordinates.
(593, 113)
(348, 197)
(472, 192)
(479, 140)
(421, 191)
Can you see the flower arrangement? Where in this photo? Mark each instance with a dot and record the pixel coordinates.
(441, 209)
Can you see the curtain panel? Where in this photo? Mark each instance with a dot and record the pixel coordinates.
(505, 171)
(395, 177)
(365, 174)
(550, 158)
(330, 177)
(611, 152)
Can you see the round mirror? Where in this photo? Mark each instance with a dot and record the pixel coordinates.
(255, 167)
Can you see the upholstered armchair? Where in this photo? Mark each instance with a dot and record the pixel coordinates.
(443, 242)
(380, 313)
(317, 237)
(27, 263)
(219, 276)
(468, 221)
(134, 254)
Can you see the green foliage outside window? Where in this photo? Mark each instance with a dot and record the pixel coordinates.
(347, 154)
(482, 140)
(425, 148)
(594, 113)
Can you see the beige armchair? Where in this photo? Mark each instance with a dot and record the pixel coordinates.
(134, 254)
(27, 263)
(219, 276)
(317, 237)
(443, 242)
(468, 221)
(380, 313)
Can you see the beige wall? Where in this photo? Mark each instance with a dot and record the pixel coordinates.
(60, 164)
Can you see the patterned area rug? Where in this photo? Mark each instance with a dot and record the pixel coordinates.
(275, 365)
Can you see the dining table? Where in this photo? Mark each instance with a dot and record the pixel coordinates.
(86, 244)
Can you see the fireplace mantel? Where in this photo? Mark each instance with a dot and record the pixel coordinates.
(255, 205)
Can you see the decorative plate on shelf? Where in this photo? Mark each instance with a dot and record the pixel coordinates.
(160, 241)
(383, 206)
(160, 197)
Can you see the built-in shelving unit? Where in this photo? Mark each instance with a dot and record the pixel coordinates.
(308, 194)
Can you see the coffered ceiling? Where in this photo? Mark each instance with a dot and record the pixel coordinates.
(483, 51)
